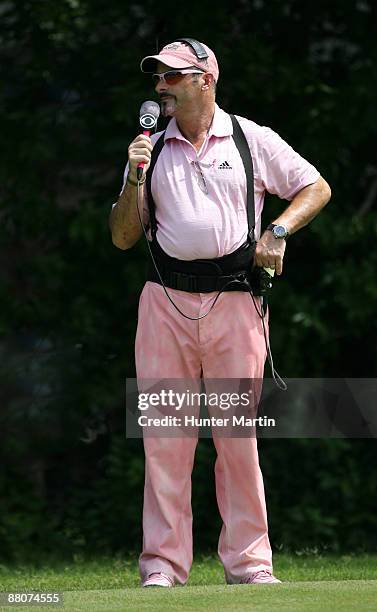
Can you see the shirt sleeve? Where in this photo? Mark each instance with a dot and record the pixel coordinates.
(283, 171)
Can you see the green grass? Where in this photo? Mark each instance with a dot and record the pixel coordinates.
(311, 581)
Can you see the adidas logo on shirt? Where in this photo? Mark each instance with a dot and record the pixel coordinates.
(225, 166)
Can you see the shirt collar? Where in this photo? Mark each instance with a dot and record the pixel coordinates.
(221, 126)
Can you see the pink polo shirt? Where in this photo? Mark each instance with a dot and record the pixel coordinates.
(201, 196)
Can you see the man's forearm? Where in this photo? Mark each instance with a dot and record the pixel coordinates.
(124, 220)
(305, 206)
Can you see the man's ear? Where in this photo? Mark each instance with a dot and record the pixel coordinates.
(208, 81)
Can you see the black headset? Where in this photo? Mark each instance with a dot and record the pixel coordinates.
(196, 46)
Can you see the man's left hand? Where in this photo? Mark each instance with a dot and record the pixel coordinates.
(270, 252)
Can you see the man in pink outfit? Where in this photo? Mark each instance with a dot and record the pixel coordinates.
(200, 195)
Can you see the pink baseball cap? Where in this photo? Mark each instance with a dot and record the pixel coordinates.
(181, 55)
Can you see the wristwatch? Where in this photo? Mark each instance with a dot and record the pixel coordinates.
(279, 231)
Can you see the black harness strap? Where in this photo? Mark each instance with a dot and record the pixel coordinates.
(151, 203)
(247, 160)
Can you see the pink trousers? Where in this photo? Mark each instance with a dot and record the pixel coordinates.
(228, 343)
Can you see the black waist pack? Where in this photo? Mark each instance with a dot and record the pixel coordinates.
(233, 272)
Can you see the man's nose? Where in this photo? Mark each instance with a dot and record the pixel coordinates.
(161, 86)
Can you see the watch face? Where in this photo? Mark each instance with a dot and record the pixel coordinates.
(280, 231)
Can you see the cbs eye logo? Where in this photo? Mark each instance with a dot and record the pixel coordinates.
(148, 121)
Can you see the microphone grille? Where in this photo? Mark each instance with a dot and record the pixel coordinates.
(150, 108)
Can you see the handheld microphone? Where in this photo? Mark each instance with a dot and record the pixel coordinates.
(149, 113)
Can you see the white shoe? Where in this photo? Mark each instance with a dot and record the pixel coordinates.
(158, 579)
(261, 577)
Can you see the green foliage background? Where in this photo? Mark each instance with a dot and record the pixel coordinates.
(69, 97)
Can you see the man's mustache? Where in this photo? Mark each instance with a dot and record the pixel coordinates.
(165, 94)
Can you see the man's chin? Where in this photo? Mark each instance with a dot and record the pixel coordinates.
(168, 107)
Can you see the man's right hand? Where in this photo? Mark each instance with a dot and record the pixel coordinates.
(139, 150)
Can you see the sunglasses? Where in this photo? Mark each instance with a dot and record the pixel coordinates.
(172, 77)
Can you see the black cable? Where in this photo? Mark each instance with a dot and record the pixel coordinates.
(275, 375)
(159, 275)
